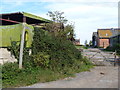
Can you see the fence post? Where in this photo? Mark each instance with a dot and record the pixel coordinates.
(115, 58)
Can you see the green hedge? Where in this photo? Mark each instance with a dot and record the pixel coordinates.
(62, 53)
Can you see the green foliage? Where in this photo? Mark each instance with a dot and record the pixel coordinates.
(14, 77)
(9, 71)
(41, 59)
(14, 48)
(52, 58)
(78, 46)
(113, 48)
(69, 32)
(57, 16)
(57, 27)
(85, 47)
(86, 43)
(90, 43)
(62, 53)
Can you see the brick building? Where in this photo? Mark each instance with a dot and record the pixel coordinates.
(102, 38)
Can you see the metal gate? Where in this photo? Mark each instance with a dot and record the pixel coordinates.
(115, 60)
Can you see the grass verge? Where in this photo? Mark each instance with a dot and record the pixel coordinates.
(81, 46)
(14, 77)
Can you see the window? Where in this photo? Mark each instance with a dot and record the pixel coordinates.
(106, 34)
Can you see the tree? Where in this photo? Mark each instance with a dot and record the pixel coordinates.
(69, 32)
(86, 43)
(57, 27)
(57, 17)
(90, 43)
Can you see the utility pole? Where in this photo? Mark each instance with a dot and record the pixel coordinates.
(22, 43)
(22, 47)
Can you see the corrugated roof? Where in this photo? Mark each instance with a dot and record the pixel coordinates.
(107, 33)
(104, 33)
(34, 17)
(115, 33)
(27, 15)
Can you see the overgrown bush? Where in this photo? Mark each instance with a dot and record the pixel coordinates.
(41, 59)
(14, 49)
(62, 53)
(52, 58)
(12, 76)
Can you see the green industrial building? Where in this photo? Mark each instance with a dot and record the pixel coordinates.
(12, 25)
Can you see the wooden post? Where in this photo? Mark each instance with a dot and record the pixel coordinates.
(24, 19)
(103, 44)
(22, 47)
(115, 57)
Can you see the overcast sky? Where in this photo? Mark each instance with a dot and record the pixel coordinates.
(87, 15)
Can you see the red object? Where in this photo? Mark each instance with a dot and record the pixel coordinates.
(9, 20)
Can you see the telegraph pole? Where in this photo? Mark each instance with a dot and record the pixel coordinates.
(22, 44)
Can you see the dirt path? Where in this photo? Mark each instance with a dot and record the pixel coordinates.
(98, 77)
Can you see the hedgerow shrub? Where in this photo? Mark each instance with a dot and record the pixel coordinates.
(62, 53)
(14, 49)
(48, 51)
(41, 59)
